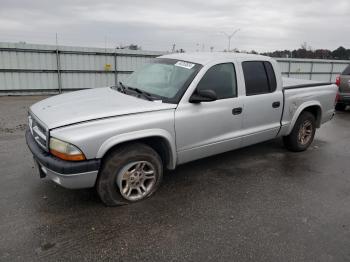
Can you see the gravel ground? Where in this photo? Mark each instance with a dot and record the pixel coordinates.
(260, 203)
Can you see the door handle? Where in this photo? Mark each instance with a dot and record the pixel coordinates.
(276, 104)
(237, 110)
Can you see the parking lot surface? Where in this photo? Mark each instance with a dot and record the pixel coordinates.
(260, 203)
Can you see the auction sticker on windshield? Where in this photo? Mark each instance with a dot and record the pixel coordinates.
(184, 64)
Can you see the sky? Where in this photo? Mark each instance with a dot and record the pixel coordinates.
(194, 25)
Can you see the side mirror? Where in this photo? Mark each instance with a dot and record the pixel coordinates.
(207, 95)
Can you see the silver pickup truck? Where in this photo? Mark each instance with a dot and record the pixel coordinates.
(179, 108)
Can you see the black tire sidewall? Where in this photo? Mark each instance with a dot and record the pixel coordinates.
(106, 185)
(305, 116)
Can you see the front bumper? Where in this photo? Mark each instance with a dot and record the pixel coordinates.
(82, 174)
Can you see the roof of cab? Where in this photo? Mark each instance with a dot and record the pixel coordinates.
(210, 57)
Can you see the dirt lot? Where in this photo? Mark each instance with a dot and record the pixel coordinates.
(260, 203)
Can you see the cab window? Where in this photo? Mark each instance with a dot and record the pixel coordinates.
(259, 77)
(220, 78)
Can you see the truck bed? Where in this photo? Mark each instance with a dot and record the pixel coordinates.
(299, 93)
(290, 83)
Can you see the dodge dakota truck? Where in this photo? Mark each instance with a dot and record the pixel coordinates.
(176, 109)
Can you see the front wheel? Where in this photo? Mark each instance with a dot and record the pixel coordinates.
(302, 134)
(131, 173)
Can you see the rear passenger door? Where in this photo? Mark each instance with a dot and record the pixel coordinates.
(262, 104)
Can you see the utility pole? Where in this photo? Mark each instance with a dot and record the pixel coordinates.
(229, 37)
(58, 63)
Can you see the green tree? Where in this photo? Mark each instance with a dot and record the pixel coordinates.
(340, 53)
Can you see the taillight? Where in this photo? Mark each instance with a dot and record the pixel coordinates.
(337, 80)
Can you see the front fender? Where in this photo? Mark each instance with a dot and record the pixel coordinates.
(125, 137)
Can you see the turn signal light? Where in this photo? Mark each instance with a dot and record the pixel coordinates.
(64, 156)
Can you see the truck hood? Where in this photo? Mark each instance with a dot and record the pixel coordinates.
(91, 104)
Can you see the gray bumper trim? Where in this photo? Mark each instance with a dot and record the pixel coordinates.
(58, 165)
(72, 181)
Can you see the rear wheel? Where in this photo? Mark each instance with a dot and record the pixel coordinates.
(131, 173)
(340, 107)
(302, 134)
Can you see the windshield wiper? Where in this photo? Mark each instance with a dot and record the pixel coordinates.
(122, 88)
(141, 92)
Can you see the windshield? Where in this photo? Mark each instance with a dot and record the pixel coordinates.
(166, 78)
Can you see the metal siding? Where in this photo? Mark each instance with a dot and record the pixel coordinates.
(85, 62)
(122, 77)
(319, 70)
(300, 67)
(24, 60)
(93, 61)
(321, 77)
(339, 67)
(299, 76)
(86, 80)
(28, 81)
(333, 77)
(284, 66)
(322, 67)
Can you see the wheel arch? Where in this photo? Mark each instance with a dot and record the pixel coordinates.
(314, 107)
(160, 140)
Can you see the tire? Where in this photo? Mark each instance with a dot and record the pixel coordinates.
(127, 172)
(340, 107)
(295, 143)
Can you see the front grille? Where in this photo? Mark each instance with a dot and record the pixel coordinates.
(38, 131)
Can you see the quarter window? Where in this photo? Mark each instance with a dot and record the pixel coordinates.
(259, 77)
(220, 78)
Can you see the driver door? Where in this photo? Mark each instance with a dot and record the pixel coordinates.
(208, 128)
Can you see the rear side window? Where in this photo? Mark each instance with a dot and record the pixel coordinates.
(346, 71)
(259, 77)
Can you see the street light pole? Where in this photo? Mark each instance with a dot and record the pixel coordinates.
(229, 37)
(115, 67)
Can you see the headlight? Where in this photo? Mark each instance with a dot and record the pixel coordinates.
(65, 150)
